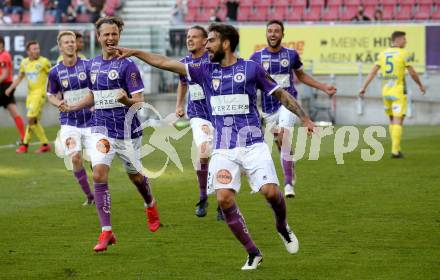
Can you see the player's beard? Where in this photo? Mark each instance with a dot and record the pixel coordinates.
(218, 56)
(276, 45)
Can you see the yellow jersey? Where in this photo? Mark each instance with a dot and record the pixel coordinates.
(393, 63)
(36, 72)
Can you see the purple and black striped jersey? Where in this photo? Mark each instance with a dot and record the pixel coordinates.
(197, 105)
(232, 96)
(106, 78)
(71, 82)
(280, 66)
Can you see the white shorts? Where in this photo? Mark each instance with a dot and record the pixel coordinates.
(74, 139)
(103, 150)
(280, 118)
(226, 165)
(202, 131)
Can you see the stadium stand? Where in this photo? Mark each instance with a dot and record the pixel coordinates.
(318, 10)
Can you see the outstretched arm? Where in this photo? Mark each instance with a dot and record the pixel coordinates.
(292, 105)
(416, 78)
(308, 80)
(156, 60)
(181, 92)
(370, 77)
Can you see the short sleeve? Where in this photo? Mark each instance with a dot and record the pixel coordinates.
(265, 83)
(296, 63)
(53, 86)
(3, 62)
(47, 64)
(22, 70)
(254, 57)
(407, 58)
(133, 78)
(195, 72)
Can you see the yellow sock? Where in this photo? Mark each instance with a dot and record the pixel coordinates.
(39, 131)
(27, 135)
(396, 136)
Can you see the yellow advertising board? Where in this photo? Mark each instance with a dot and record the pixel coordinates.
(338, 49)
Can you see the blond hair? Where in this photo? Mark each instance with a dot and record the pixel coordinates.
(65, 33)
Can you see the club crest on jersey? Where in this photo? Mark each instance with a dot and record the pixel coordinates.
(239, 78)
(113, 75)
(215, 83)
(82, 76)
(93, 77)
(266, 65)
(65, 83)
(284, 62)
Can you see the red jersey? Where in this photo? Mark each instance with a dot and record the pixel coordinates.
(6, 63)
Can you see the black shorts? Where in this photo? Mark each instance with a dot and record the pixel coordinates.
(6, 100)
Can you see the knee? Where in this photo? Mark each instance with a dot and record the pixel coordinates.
(100, 174)
(137, 178)
(270, 191)
(225, 200)
(77, 159)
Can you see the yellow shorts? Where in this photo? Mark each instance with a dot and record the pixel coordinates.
(395, 105)
(34, 105)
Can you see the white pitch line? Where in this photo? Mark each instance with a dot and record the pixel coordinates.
(15, 145)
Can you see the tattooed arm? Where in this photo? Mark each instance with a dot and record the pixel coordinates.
(292, 105)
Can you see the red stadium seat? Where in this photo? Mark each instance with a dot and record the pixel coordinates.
(388, 12)
(50, 18)
(81, 18)
(281, 3)
(390, 2)
(277, 12)
(334, 3)
(243, 13)
(191, 15)
(352, 2)
(262, 3)
(317, 3)
(423, 12)
(370, 2)
(246, 3)
(298, 3)
(222, 12)
(295, 14)
(194, 4)
(15, 18)
(27, 4)
(26, 17)
(258, 14)
(348, 13)
(313, 14)
(408, 2)
(436, 13)
(210, 4)
(331, 13)
(369, 11)
(202, 15)
(405, 12)
(426, 2)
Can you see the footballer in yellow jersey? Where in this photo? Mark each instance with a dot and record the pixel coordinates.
(35, 69)
(392, 64)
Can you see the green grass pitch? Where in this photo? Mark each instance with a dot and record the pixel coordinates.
(360, 220)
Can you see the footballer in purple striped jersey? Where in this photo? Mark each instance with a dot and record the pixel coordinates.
(198, 113)
(230, 85)
(115, 86)
(68, 80)
(283, 64)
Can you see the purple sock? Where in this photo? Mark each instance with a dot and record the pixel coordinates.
(145, 191)
(202, 177)
(288, 169)
(81, 177)
(236, 223)
(279, 209)
(103, 203)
